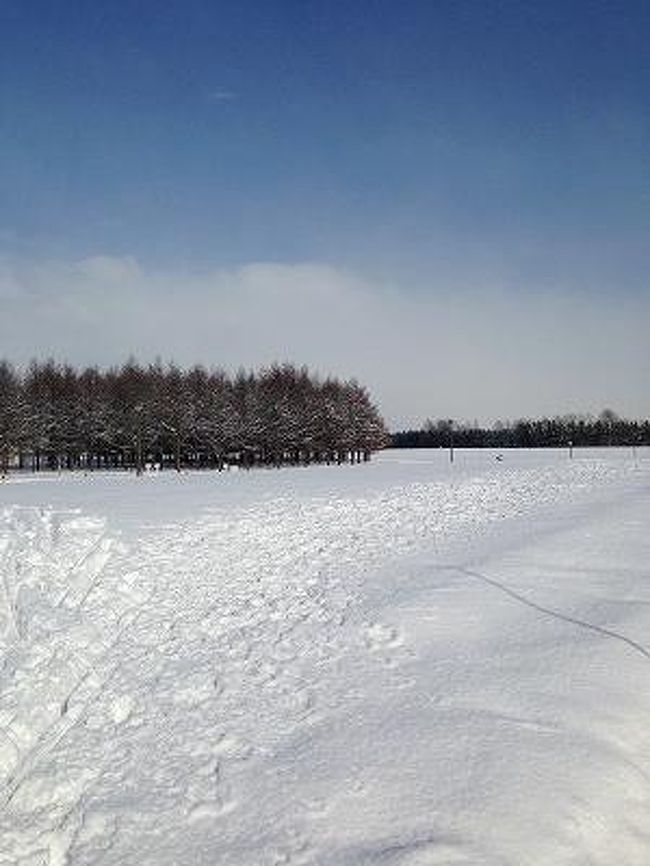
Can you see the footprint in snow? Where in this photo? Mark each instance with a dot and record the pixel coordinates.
(379, 637)
(122, 709)
(231, 746)
(210, 809)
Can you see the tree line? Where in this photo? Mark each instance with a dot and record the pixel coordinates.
(561, 431)
(55, 416)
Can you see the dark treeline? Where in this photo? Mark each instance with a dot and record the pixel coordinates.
(561, 431)
(54, 416)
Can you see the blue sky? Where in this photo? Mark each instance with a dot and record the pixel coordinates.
(433, 147)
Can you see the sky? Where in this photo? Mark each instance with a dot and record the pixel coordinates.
(449, 200)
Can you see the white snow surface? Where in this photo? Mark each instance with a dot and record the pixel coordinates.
(405, 663)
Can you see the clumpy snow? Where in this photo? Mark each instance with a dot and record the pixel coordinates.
(405, 663)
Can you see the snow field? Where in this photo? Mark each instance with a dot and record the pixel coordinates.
(402, 663)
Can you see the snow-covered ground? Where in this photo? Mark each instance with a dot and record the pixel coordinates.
(405, 663)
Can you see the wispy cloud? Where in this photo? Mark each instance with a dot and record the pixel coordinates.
(222, 94)
(450, 353)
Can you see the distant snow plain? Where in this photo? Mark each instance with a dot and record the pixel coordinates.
(404, 663)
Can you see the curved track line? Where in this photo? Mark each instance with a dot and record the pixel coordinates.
(548, 611)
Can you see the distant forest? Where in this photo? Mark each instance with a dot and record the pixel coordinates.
(54, 416)
(562, 431)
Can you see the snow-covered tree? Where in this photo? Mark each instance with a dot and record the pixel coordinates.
(127, 416)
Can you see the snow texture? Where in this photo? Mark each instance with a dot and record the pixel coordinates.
(405, 663)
